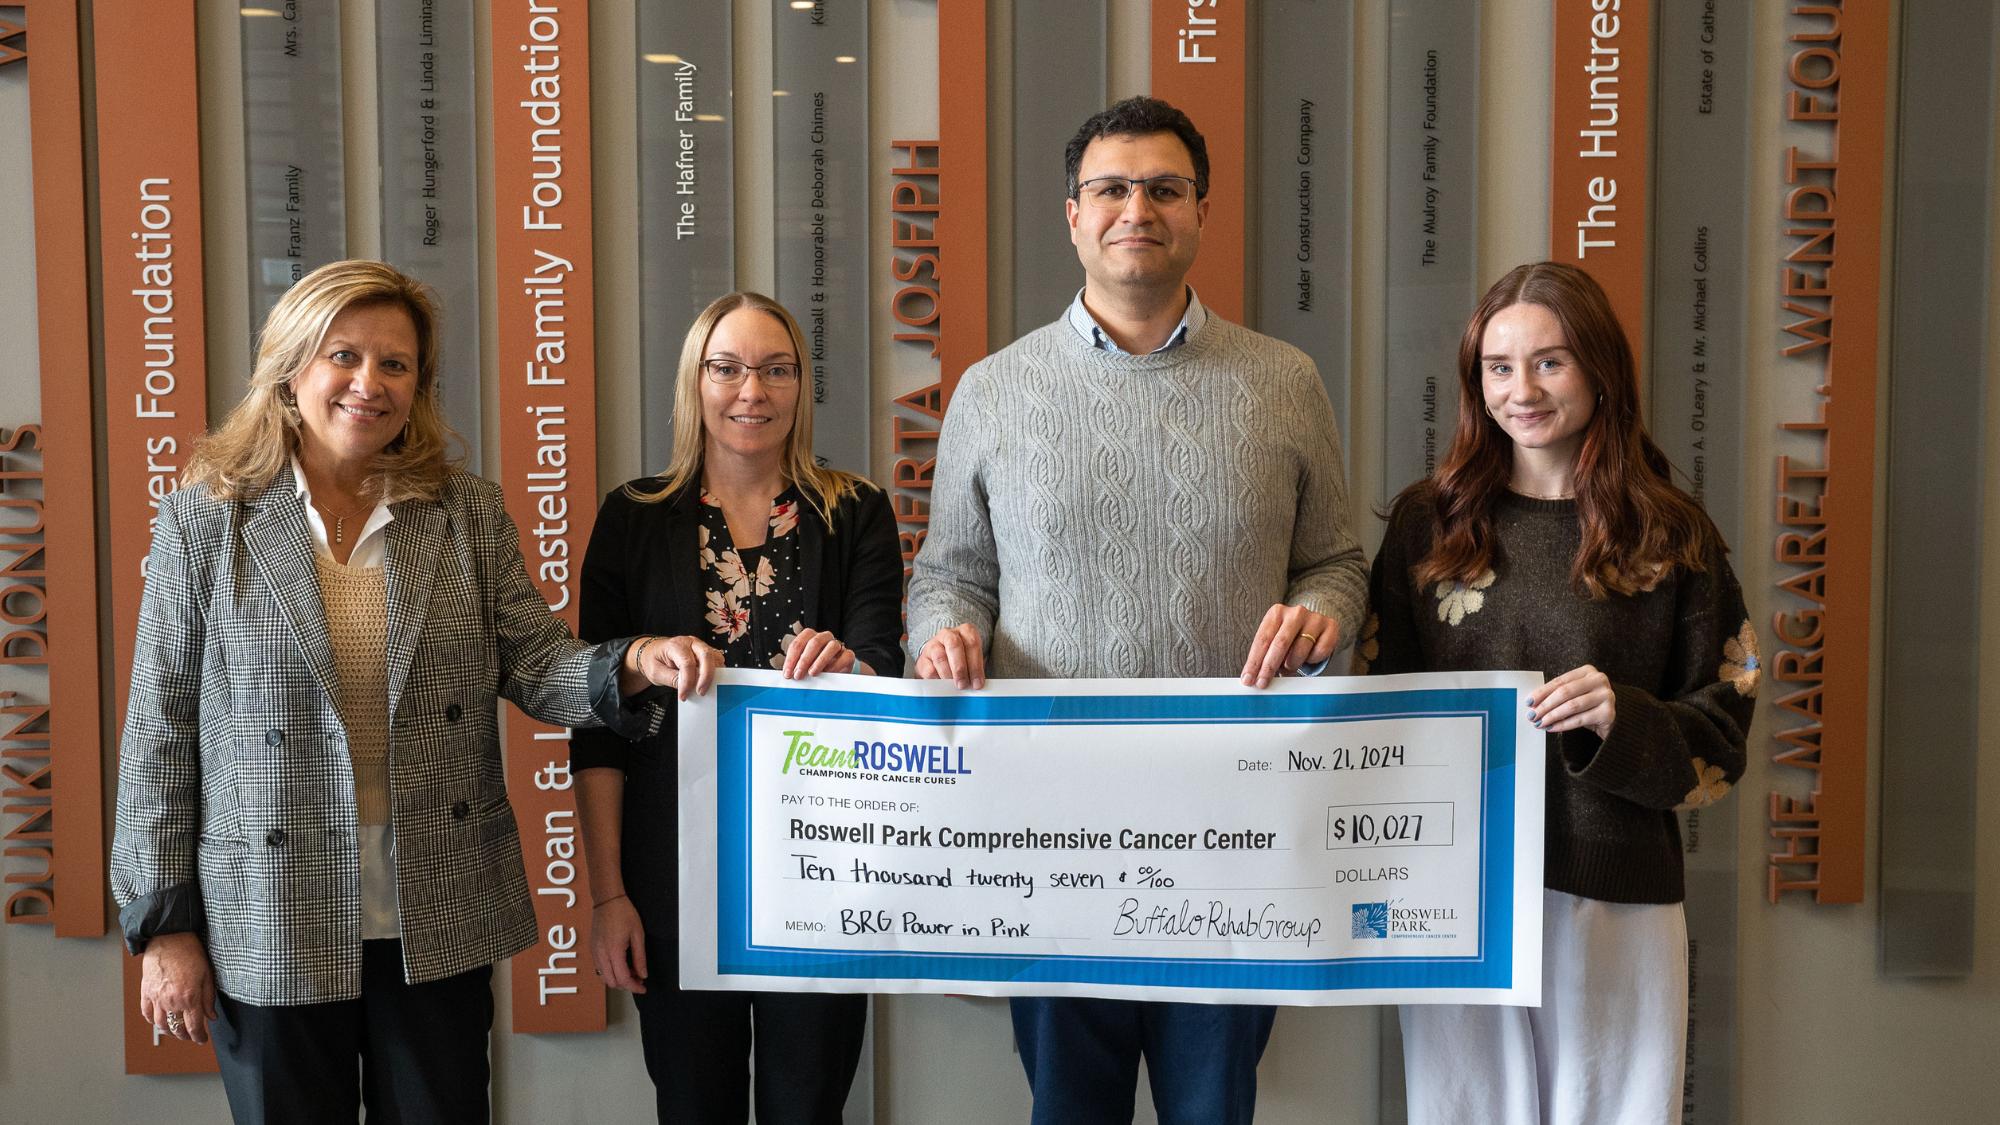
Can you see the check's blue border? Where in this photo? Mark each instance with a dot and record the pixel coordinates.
(1491, 967)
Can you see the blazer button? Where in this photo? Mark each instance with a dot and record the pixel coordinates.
(276, 836)
(460, 810)
(274, 737)
(452, 713)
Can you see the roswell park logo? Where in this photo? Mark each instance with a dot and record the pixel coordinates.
(1371, 920)
(1389, 919)
(864, 760)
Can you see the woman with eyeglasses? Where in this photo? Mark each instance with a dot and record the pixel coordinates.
(744, 553)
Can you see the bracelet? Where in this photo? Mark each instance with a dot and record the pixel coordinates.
(639, 653)
(612, 899)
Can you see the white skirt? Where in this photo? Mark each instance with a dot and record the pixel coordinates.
(1607, 1047)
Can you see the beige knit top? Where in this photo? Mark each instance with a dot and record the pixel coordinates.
(356, 599)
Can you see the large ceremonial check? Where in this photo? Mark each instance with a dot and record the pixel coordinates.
(1322, 841)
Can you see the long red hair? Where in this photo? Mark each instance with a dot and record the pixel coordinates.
(1637, 526)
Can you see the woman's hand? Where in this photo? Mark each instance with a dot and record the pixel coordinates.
(1580, 698)
(618, 944)
(176, 988)
(683, 663)
(816, 651)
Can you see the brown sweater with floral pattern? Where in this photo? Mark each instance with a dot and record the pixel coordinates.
(1681, 657)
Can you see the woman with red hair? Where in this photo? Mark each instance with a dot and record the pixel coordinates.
(1552, 537)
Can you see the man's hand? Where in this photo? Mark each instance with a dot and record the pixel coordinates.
(955, 654)
(1290, 635)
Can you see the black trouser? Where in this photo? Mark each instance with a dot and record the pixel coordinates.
(699, 1047)
(408, 1052)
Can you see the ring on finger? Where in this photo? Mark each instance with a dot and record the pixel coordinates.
(175, 1024)
(1308, 637)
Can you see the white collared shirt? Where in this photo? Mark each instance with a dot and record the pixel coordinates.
(370, 545)
(380, 916)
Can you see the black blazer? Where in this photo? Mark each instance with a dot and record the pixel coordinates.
(641, 575)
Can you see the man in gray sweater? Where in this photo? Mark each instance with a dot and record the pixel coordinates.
(1138, 489)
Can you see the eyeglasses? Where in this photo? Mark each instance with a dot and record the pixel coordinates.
(1110, 193)
(729, 372)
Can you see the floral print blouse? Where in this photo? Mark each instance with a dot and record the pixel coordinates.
(755, 605)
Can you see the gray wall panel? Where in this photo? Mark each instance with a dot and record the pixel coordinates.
(430, 179)
(292, 146)
(1433, 210)
(1302, 166)
(687, 193)
(1701, 185)
(1933, 503)
(1059, 80)
(821, 172)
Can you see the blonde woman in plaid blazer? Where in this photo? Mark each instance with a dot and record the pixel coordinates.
(337, 961)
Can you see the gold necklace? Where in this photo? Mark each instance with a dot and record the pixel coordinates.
(1570, 495)
(340, 521)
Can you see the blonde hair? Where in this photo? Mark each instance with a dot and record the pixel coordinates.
(238, 458)
(823, 487)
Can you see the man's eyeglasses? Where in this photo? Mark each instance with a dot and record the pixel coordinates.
(1110, 193)
(728, 372)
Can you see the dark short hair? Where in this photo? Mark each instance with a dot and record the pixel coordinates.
(1138, 117)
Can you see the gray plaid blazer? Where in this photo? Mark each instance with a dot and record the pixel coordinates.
(236, 814)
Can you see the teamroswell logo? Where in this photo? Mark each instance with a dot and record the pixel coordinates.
(935, 763)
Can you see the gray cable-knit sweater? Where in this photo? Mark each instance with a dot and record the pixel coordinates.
(1101, 514)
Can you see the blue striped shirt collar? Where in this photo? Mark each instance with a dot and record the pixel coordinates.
(1093, 334)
